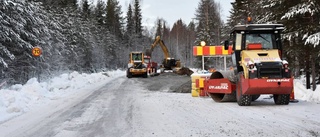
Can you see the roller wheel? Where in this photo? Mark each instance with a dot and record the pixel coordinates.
(281, 99)
(217, 97)
(243, 100)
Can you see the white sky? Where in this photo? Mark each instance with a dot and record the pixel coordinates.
(172, 10)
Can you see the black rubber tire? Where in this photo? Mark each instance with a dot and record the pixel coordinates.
(145, 75)
(242, 100)
(129, 74)
(281, 99)
(255, 97)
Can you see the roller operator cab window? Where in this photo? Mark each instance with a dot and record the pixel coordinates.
(265, 40)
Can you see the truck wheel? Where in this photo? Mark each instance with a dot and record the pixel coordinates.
(255, 97)
(243, 100)
(129, 74)
(281, 99)
(145, 75)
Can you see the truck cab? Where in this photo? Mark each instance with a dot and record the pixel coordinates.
(136, 65)
(151, 66)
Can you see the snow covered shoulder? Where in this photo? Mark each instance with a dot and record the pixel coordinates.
(19, 99)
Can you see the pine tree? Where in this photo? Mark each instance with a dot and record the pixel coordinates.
(190, 42)
(85, 8)
(137, 18)
(209, 22)
(130, 21)
(306, 29)
(100, 12)
(159, 28)
(119, 20)
(110, 16)
(130, 27)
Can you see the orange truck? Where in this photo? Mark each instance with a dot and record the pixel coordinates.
(259, 67)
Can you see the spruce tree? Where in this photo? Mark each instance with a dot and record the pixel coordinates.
(208, 16)
(85, 8)
(159, 28)
(99, 12)
(137, 18)
(130, 21)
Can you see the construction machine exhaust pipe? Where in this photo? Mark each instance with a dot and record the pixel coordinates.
(220, 97)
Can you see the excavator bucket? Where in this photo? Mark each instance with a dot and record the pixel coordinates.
(148, 52)
(183, 71)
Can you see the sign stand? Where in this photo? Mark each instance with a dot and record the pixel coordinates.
(36, 52)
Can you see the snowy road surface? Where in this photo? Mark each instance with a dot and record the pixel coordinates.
(126, 107)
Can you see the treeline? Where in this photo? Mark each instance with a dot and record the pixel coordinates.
(73, 35)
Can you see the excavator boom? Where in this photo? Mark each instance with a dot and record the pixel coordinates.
(168, 62)
(162, 45)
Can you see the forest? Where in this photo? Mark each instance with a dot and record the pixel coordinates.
(76, 35)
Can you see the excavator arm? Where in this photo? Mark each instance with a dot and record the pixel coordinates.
(162, 45)
(168, 63)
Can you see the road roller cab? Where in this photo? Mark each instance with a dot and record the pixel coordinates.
(258, 67)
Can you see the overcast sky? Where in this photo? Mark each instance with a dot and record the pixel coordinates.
(172, 10)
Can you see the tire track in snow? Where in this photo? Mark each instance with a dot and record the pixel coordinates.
(85, 117)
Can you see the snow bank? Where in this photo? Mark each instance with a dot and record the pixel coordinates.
(19, 99)
(304, 94)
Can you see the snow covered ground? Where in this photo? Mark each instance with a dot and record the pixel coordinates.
(19, 99)
(178, 114)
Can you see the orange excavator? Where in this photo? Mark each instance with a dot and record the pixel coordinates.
(168, 62)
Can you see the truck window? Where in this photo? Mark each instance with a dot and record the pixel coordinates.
(238, 41)
(137, 57)
(264, 39)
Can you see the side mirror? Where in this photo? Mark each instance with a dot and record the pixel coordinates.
(226, 44)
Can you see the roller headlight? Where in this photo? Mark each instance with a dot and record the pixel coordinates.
(250, 65)
(285, 64)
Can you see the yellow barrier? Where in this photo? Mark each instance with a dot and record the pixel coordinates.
(195, 91)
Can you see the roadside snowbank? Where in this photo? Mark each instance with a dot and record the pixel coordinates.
(302, 93)
(19, 99)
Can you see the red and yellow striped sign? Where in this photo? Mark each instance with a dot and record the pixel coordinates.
(211, 50)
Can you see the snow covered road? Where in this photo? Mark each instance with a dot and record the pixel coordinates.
(125, 108)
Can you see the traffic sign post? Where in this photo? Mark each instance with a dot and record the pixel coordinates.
(36, 52)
